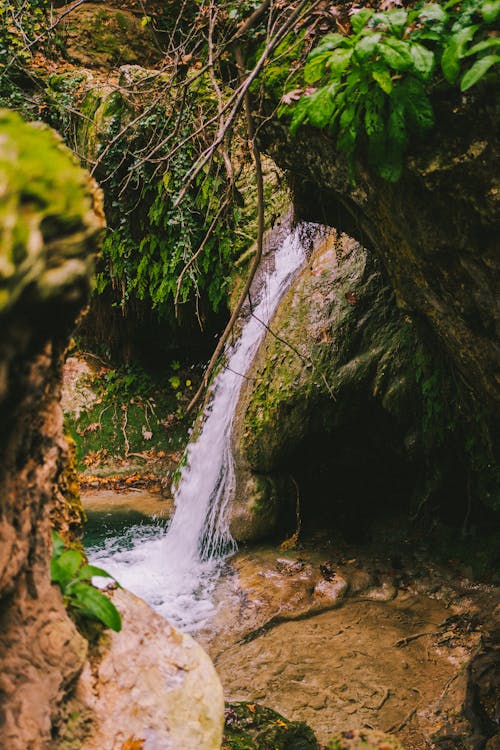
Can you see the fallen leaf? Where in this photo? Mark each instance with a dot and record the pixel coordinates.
(133, 744)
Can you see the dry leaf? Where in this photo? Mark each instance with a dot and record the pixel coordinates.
(133, 744)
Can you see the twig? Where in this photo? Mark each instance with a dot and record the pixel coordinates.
(408, 717)
(124, 432)
(405, 641)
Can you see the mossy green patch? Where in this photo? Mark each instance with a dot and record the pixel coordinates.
(44, 198)
(250, 726)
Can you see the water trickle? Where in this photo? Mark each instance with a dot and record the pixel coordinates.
(176, 572)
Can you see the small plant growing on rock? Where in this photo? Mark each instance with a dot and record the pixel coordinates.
(73, 575)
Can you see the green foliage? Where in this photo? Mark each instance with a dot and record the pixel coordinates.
(152, 241)
(371, 89)
(133, 412)
(73, 575)
(23, 28)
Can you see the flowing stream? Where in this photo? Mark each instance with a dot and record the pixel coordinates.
(176, 569)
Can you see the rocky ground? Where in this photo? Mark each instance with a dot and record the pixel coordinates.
(343, 638)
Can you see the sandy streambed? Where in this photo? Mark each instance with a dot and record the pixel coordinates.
(348, 645)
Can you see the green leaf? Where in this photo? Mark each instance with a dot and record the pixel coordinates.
(433, 12)
(93, 603)
(64, 567)
(299, 114)
(329, 42)
(396, 54)
(417, 105)
(366, 46)
(315, 67)
(339, 61)
(390, 167)
(87, 571)
(454, 51)
(397, 18)
(358, 20)
(383, 77)
(374, 121)
(175, 382)
(57, 544)
(478, 70)
(396, 128)
(490, 11)
(481, 46)
(423, 60)
(322, 106)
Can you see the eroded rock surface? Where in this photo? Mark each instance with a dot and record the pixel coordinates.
(436, 230)
(332, 388)
(407, 651)
(50, 222)
(151, 684)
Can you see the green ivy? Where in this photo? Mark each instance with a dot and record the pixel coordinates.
(23, 28)
(71, 573)
(150, 239)
(371, 89)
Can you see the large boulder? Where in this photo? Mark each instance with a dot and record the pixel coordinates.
(150, 684)
(50, 222)
(331, 389)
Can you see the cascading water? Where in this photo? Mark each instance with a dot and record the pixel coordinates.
(176, 572)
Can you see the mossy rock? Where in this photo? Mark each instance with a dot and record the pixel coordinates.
(50, 216)
(99, 36)
(364, 739)
(249, 726)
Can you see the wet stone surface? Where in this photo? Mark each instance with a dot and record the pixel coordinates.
(341, 642)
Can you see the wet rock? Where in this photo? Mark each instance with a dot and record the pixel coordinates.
(364, 739)
(67, 515)
(249, 726)
(150, 682)
(330, 592)
(383, 593)
(332, 365)
(289, 567)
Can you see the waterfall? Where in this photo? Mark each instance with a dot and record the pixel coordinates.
(176, 572)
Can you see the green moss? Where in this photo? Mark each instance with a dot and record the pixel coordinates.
(249, 726)
(44, 186)
(129, 403)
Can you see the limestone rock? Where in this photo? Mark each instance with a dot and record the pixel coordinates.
(436, 229)
(150, 682)
(332, 591)
(344, 355)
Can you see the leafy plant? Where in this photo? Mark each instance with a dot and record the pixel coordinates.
(23, 27)
(73, 576)
(371, 88)
(152, 251)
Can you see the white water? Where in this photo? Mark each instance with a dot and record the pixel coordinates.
(177, 571)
